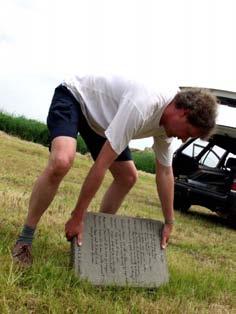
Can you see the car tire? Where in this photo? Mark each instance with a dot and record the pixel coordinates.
(231, 219)
(181, 204)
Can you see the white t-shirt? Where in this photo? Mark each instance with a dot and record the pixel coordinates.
(121, 110)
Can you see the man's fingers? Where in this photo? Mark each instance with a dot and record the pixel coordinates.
(68, 236)
(163, 242)
(79, 239)
(163, 239)
(165, 235)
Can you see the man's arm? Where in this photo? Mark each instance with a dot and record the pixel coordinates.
(93, 181)
(165, 187)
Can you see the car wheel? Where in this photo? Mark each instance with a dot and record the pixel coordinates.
(181, 204)
(231, 219)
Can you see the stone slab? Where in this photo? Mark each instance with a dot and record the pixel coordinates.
(120, 251)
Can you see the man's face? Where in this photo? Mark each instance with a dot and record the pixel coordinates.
(179, 127)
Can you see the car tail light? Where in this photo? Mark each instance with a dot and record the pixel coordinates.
(233, 187)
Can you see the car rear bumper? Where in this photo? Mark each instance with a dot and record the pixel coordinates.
(205, 197)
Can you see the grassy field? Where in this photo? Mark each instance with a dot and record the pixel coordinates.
(201, 253)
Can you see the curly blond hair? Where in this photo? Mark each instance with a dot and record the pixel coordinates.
(202, 107)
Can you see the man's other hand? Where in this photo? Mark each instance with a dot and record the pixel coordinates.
(166, 234)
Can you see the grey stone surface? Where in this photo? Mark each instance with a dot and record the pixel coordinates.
(121, 251)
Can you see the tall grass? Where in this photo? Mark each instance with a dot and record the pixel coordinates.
(144, 160)
(37, 132)
(31, 130)
(27, 129)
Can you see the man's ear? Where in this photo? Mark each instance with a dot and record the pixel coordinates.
(182, 112)
(185, 112)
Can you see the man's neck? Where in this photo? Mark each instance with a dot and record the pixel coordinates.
(167, 113)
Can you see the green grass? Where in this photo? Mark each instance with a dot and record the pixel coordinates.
(201, 253)
(144, 160)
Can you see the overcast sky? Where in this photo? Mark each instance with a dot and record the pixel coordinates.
(188, 42)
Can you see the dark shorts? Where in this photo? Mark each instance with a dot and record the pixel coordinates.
(65, 118)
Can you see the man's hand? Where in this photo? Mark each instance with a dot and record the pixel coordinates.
(73, 227)
(166, 234)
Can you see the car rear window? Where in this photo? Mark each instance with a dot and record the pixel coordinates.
(212, 157)
(194, 149)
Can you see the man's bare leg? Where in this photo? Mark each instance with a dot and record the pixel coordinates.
(60, 161)
(125, 176)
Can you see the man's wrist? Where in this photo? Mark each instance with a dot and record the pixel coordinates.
(78, 215)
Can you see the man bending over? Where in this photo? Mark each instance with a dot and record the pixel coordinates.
(108, 112)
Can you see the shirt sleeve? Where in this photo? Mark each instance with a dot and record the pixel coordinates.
(163, 148)
(124, 126)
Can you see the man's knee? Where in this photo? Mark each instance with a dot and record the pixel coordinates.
(59, 165)
(128, 180)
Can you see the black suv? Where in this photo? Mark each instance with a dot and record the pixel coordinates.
(205, 171)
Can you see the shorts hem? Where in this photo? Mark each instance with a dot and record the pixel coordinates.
(60, 133)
